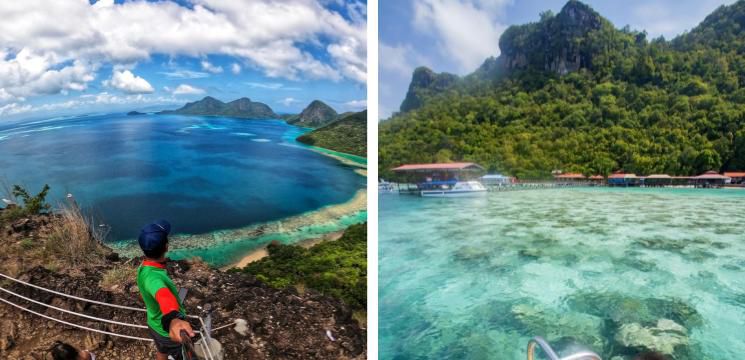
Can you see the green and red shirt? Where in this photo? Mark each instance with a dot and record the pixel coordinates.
(159, 294)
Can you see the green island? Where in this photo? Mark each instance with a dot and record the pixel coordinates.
(347, 135)
(335, 268)
(242, 108)
(573, 92)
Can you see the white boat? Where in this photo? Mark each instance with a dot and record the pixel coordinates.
(385, 187)
(460, 189)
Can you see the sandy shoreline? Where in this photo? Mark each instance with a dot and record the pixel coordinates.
(323, 215)
(360, 169)
(261, 253)
(358, 202)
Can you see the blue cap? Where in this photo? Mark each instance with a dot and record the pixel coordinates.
(155, 235)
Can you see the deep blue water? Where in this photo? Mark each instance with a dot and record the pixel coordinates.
(201, 173)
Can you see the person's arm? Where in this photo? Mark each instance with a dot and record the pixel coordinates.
(169, 307)
(176, 326)
(171, 320)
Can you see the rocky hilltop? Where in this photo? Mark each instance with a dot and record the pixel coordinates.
(316, 114)
(281, 324)
(560, 44)
(425, 82)
(241, 108)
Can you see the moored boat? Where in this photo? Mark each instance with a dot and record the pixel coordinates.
(459, 189)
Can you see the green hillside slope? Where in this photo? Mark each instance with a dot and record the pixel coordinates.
(572, 92)
(347, 135)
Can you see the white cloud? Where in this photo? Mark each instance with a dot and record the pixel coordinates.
(208, 67)
(128, 82)
(351, 58)
(467, 30)
(268, 86)
(13, 109)
(288, 101)
(187, 89)
(668, 20)
(184, 74)
(356, 104)
(397, 63)
(235, 69)
(101, 99)
(272, 86)
(5, 96)
(30, 73)
(396, 59)
(52, 46)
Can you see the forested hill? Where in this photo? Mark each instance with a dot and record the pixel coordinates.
(572, 92)
(347, 135)
(241, 108)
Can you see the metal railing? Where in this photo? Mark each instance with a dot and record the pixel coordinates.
(205, 333)
(552, 355)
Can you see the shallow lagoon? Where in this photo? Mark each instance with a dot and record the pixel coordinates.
(476, 278)
(204, 174)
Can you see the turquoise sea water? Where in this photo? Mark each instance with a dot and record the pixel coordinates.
(594, 268)
(205, 175)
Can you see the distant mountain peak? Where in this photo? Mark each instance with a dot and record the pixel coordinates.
(209, 98)
(241, 108)
(558, 43)
(316, 114)
(425, 81)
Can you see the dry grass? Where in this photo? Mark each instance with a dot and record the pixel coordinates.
(118, 277)
(301, 288)
(72, 238)
(361, 317)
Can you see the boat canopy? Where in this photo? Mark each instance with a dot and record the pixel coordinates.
(456, 166)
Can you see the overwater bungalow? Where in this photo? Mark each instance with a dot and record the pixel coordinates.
(736, 177)
(596, 180)
(570, 177)
(623, 179)
(711, 179)
(658, 180)
(496, 180)
(442, 179)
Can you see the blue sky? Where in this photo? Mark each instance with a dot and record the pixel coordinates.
(457, 35)
(72, 57)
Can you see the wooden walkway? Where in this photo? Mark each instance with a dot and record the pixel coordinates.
(539, 185)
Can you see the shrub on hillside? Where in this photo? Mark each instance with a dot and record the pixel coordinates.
(335, 268)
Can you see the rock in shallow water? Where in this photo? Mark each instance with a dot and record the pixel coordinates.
(624, 309)
(664, 337)
(567, 327)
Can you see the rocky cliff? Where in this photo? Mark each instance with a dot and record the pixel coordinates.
(560, 44)
(282, 324)
(425, 82)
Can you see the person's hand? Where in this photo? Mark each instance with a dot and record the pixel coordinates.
(175, 331)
